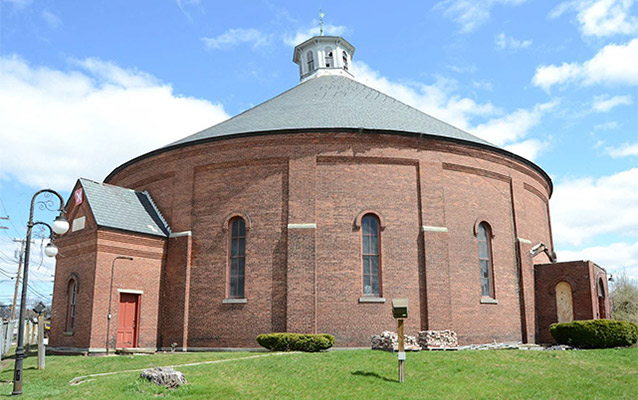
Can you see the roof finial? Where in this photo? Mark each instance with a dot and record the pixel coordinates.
(321, 15)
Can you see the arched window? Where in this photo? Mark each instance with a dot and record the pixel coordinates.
(311, 61)
(345, 60)
(71, 291)
(485, 259)
(601, 299)
(329, 59)
(237, 258)
(370, 254)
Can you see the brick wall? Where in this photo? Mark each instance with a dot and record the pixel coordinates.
(307, 279)
(582, 276)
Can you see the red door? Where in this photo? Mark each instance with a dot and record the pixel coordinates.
(127, 320)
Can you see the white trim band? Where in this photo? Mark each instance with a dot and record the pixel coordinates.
(524, 240)
(302, 226)
(234, 301)
(371, 299)
(426, 228)
(180, 234)
(130, 291)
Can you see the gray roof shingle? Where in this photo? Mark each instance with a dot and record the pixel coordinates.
(332, 102)
(122, 208)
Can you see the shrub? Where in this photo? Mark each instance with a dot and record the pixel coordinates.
(296, 341)
(596, 333)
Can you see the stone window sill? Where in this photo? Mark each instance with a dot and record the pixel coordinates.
(488, 300)
(371, 299)
(68, 333)
(234, 301)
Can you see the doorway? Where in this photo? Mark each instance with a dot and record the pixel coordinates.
(127, 320)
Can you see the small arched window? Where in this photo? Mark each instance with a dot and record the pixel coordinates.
(601, 300)
(370, 254)
(311, 61)
(329, 58)
(345, 60)
(485, 259)
(72, 291)
(237, 258)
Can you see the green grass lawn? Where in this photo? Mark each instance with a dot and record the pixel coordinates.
(361, 374)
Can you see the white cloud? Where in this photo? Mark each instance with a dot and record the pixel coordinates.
(515, 126)
(502, 42)
(606, 126)
(19, 3)
(304, 34)
(529, 149)
(614, 258)
(234, 37)
(585, 208)
(440, 101)
(471, 14)
(613, 64)
(605, 103)
(626, 150)
(185, 5)
(87, 120)
(52, 20)
(601, 17)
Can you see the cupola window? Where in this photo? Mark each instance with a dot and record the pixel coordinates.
(311, 61)
(329, 58)
(345, 60)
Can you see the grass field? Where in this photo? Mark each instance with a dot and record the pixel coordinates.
(360, 374)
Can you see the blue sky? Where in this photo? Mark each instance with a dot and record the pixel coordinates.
(85, 86)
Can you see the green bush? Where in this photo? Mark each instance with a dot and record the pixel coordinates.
(296, 341)
(595, 333)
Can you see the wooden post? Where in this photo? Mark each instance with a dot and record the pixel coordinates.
(41, 350)
(27, 343)
(401, 352)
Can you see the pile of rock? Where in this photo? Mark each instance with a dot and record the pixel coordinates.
(438, 340)
(164, 376)
(389, 341)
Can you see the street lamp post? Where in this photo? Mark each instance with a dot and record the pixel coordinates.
(108, 316)
(60, 227)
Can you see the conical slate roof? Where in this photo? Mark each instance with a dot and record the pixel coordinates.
(332, 102)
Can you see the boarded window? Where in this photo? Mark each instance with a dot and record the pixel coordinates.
(564, 302)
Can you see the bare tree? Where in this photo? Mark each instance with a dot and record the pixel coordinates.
(624, 298)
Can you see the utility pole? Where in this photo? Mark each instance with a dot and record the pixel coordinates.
(20, 260)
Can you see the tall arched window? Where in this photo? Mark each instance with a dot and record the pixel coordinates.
(329, 58)
(311, 61)
(345, 60)
(485, 259)
(564, 302)
(72, 290)
(370, 254)
(237, 258)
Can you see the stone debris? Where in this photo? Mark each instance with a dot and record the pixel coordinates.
(389, 341)
(438, 340)
(492, 346)
(164, 376)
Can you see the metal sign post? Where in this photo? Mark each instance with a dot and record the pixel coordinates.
(400, 312)
(401, 352)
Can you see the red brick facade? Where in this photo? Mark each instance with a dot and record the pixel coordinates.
(588, 283)
(301, 196)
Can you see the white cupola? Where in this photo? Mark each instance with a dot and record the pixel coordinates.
(323, 55)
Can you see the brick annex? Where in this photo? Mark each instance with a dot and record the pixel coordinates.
(309, 213)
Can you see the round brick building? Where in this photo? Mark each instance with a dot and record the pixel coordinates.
(307, 213)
